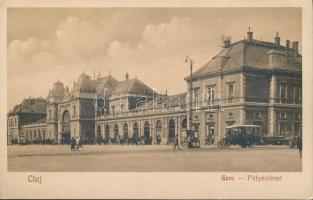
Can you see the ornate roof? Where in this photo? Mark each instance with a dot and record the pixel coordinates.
(84, 84)
(107, 83)
(57, 92)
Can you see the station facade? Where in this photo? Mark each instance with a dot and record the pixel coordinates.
(250, 82)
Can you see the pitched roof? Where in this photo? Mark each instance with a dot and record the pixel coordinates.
(132, 86)
(107, 82)
(31, 105)
(246, 53)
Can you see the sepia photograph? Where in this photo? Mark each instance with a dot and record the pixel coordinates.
(133, 89)
(116, 86)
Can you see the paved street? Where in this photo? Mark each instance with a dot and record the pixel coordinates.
(111, 158)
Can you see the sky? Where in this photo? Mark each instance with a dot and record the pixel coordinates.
(49, 44)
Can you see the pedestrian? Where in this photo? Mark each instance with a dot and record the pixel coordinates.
(73, 144)
(207, 140)
(197, 141)
(299, 144)
(158, 139)
(176, 143)
(78, 144)
(189, 141)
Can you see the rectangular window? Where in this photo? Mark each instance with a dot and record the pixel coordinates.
(49, 114)
(230, 92)
(297, 95)
(297, 116)
(74, 111)
(196, 95)
(257, 115)
(283, 115)
(283, 92)
(210, 116)
(211, 94)
(281, 129)
(230, 115)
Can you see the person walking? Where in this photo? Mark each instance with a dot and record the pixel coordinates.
(207, 139)
(78, 144)
(299, 144)
(158, 139)
(176, 143)
(73, 144)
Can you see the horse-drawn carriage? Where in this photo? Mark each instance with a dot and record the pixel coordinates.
(243, 135)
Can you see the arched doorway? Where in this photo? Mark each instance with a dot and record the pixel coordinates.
(116, 135)
(43, 135)
(65, 138)
(135, 130)
(146, 131)
(99, 137)
(125, 133)
(171, 131)
(158, 128)
(107, 134)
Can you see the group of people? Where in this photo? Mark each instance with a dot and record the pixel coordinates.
(76, 144)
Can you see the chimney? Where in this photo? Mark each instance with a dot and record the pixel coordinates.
(295, 47)
(226, 41)
(277, 40)
(127, 76)
(287, 44)
(249, 35)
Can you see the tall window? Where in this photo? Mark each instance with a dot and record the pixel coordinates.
(283, 92)
(49, 114)
(196, 95)
(230, 92)
(297, 95)
(211, 94)
(74, 111)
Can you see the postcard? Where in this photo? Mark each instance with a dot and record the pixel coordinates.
(156, 99)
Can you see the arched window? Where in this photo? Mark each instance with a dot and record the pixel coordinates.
(107, 131)
(125, 131)
(158, 127)
(171, 131)
(135, 130)
(147, 135)
(115, 131)
(74, 110)
(65, 136)
(98, 131)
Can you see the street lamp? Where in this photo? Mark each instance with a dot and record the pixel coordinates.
(190, 127)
